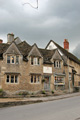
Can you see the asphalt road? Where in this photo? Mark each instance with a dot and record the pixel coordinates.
(64, 109)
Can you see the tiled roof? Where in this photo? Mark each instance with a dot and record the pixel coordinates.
(68, 54)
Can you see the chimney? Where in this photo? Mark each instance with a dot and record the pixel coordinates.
(66, 44)
(10, 38)
(1, 41)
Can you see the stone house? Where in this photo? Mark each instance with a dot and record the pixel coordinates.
(28, 68)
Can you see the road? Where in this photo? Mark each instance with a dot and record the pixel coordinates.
(63, 109)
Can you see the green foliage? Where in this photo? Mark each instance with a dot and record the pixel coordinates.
(43, 80)
(1, 90)
(24, 93)
(52, 91)
(43, 92)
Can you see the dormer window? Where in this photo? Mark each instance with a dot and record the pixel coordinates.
(35, 60)
(57, 64)
(12, 59)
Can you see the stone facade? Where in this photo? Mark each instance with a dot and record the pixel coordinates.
(25, 70)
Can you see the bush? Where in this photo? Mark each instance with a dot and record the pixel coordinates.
(1, 90)
(24, 93)
(43, 92)
(52, 91)
(43, 80)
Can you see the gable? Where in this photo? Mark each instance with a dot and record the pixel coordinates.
(35, 52)
(12, 49)
(51, 46)
(57, 56)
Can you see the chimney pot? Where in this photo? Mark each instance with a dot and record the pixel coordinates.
(66, 44)
(10, 38)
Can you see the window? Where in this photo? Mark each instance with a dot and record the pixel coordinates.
(35, 78)
(7, 80)
(31, 60)
(17, 59)
(35, 61)
(38, 61)
(12, 79)
(57, 64)
(8, 59)
(31, 78)
(38, 79)
(12, 59)
(59, 80)
(16, 79)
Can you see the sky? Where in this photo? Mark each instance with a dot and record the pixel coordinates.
(53, 20)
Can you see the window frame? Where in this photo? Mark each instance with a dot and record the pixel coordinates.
(57, 79)
(57, 64)
(36, 79)
(13, 79)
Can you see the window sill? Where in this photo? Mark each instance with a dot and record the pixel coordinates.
(59, 83)
(35, 83)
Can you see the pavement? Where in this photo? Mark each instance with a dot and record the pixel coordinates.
(6, 102)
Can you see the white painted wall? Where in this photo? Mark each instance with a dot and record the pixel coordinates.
(47, 70)
(51, 46)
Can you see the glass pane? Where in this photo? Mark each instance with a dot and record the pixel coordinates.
(34, 79)
(16, 79)
(12, 79)
(38, 61)
(12, 59)
(7, 80)
(38, 78)
(31, 79)
(8, 59)
(31, 60)
(35, 61)
(17, 59)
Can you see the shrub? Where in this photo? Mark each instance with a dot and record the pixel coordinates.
(1, 90)
(43, 80)
(43, 92)
(52, 91)
(24, 93)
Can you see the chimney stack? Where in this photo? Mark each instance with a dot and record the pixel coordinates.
(10, 38)
(66, 44)
(1, 41)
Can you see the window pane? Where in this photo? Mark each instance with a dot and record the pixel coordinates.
(31, 79)
(34, 79)
(7, 80)
(54, 64)
(8, 59)
(35, 61)
(38, 60)
(12, 79)
(17, 59)
(12, 59)
(38, 79)
(59, 64)
(31, 60)
(16, 79)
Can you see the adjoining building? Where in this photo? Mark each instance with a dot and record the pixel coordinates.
(32, 69)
